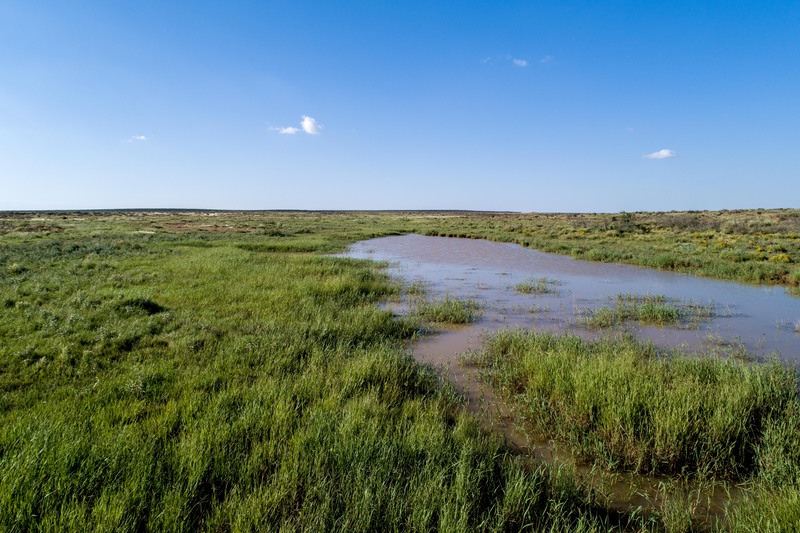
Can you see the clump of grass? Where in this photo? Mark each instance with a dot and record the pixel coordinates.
(538, 286)
(416, 289)
(450, 310)
(655, 309)
(624, 405)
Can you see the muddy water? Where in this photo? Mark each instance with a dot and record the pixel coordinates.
(761, 320)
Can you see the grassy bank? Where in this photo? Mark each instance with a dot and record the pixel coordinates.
(624, 405)
(628, 406)
(750, 246)
(177, 372)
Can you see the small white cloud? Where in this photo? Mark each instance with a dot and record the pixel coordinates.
(546, 60)
(661, 154)
(307, 124)
(310, 125)
(519, 62)
(138, 138)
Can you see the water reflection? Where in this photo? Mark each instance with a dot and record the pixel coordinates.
(758, 319)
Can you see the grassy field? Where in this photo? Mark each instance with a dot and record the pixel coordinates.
(218, 371)
(234, 379)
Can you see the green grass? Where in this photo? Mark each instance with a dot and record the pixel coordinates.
(647, 309)
(750, 246)
(627, 406)
(218, 371)
(538, 286)
(231, 379)
(449, 310)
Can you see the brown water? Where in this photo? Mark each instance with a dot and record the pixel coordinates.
(762, 320)
(757, 319)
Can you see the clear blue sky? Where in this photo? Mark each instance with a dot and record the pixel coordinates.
(514, 105)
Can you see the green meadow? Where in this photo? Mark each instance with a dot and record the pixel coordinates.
(203, 371)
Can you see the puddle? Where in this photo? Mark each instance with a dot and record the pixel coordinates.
(759, 319)
(747, 317)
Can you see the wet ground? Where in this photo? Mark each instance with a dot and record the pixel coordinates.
(761, 320)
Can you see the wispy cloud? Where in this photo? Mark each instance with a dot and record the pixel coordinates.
(546, 60)
(138, 138)
(661, 154)
(308, 125)
(505, 59)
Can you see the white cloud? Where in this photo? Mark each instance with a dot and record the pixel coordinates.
(661, 154)
(310, 125)
(519, 62)
(138, 138)
(307, 124)
(546, 60)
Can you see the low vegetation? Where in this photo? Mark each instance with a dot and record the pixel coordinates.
(189, 371)
(449, 310)
(750, 246)
(627, 405)
(538, 286)
(624, 405)
(652, 309)
(231, 378)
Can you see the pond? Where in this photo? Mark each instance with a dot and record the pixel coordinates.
(764, 321)
(761, 321)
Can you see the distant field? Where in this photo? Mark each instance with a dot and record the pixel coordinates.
(186, 371)
(751, 246)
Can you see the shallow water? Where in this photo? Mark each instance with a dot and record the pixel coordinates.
(762, 320)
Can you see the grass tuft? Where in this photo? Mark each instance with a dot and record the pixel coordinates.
(538, 286)
(449, 310)
(648, 309)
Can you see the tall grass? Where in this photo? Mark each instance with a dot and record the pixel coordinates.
(213, 371)
(626, 406)
(182, 382)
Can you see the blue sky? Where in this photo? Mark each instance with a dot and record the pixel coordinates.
(523, 106)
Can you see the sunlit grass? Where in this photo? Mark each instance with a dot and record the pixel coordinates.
(627, 406)
(189, 381)
(449, 310)
(647, 309)
(538, 286)
(216, 371)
